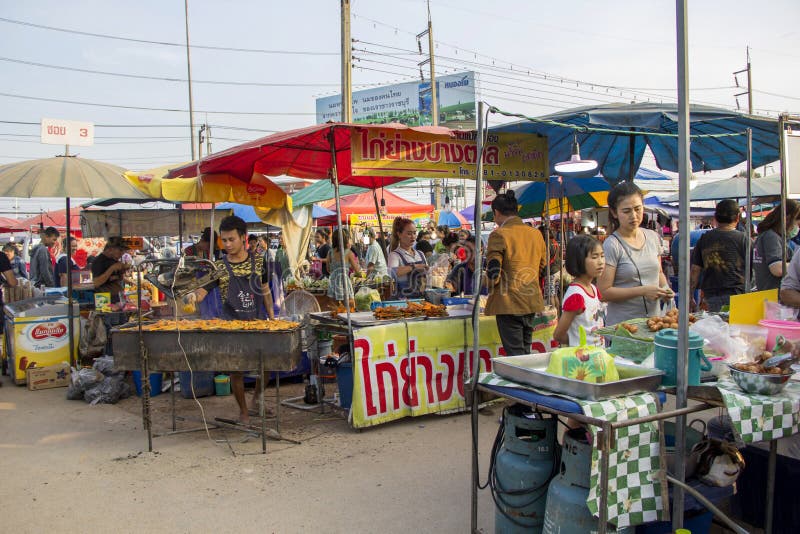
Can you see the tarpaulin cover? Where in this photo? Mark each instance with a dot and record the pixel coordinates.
(302, 153)
(364, 203)
(611, 149)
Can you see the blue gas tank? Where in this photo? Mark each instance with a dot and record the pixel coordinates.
(567, 512)
(523, 467)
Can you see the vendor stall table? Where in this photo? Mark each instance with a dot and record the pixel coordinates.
(240, 350)
(412, 367)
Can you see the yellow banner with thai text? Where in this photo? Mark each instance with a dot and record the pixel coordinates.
(411, 153)
(413, 368)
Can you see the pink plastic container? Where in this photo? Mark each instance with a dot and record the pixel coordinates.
(788, 329)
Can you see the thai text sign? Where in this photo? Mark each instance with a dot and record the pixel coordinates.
(410, 153)
(62, 132)
(419, 367)
(371, 219)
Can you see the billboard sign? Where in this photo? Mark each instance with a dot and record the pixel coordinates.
(62, 132)
(791, 144)
(507, 156)
(409, 103)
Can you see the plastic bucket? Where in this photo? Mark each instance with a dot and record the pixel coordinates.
(666, 357)
(344, 380)
(790, 330)
(222, 385)
(155, 383)
(203, 382)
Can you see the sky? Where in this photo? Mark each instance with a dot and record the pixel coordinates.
(258, 66)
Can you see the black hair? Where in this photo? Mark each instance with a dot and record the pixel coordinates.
(727, 211)
(232, 222)
(252, 237)
(773, 219)
(422, 233)
(345, 238)
(10, 246)
(424, 246)
(206, 235)
(323, 232)
(67, 241)
(50, 231)
(505, 203)
(578, 249)
(450, 239)
(617, 193)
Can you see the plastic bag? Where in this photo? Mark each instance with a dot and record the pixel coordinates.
(586, 363)
(105, 365)
(364, 298)
(109, 391)
(81, 380)
(718, 337)
(774, 311)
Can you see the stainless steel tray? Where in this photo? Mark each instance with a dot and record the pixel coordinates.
(530, 369)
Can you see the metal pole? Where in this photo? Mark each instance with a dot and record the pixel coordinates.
(749, 84)
(782, 133)
(771, 465)
(189, 77)
(380, 224)
(347, 64)
(335, 176)
(546, 224)
(684, 174)
(437, 184)
(70, 318)
(180, 231)
(476, 318)
(631, 152)
(748, 243)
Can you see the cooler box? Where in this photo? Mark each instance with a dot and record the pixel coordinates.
(203, 382)
(36, 333)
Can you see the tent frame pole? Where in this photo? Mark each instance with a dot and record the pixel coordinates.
(380, 224)
(476, 318)
(748, 243)
(546, 224)
(684, 175)
(70, 313)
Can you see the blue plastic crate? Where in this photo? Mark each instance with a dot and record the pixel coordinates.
(395, 303)
(454, 301)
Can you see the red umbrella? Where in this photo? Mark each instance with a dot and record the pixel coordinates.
(302, 153)
(362, 203)
(57, 218)
(7, 224)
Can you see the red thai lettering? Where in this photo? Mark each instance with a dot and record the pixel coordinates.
(443, 392)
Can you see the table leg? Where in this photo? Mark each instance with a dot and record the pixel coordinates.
(172, 394)
(261, 410)
(771, 466)
(278, 402)
(605, 447)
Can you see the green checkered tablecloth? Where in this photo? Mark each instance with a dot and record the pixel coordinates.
(762, 417)
(636, 483)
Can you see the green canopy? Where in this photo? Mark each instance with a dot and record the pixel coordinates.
(322, 190)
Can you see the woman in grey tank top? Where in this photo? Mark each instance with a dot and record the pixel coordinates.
(632, 282)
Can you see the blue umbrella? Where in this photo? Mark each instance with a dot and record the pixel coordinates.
(469, 212)
(566, 194)
(615, 135)
(246, 213)
(451, 219)
(318, 212)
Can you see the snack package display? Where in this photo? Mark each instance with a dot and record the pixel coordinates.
(586, 363)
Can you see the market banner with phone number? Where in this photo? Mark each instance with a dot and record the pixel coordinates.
(415, 154)
(415, 368)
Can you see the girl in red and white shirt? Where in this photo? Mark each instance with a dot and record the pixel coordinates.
(582, 306)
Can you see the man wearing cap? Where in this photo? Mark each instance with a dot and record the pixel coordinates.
(108, 270)
(202, 249)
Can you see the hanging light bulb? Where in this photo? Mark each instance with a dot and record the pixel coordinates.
(575, 165)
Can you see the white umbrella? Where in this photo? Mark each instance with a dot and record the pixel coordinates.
(65, 177)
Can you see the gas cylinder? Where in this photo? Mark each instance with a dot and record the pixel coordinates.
(567, 512)
(523, 466)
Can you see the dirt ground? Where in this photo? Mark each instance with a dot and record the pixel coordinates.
(70, 467)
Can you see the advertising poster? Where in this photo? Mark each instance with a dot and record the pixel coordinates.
(409, 103)
(415, 368)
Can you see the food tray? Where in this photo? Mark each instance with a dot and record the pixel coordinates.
(530, 369)
(644, 333)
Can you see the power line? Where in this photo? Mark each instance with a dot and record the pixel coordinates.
(776, 94)
(166, 43)
(173, 79)
(172, 110)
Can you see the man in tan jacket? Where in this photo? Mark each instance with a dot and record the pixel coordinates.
(515, 255)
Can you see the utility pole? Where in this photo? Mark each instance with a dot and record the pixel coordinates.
(189, 79)
(437, 184)
(200, 139)
(347, 64)
(208, 140)
(749, 91)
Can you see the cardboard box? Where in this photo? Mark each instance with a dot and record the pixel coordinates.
(52, 376)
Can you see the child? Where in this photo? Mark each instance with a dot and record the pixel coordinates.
(582, 307)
